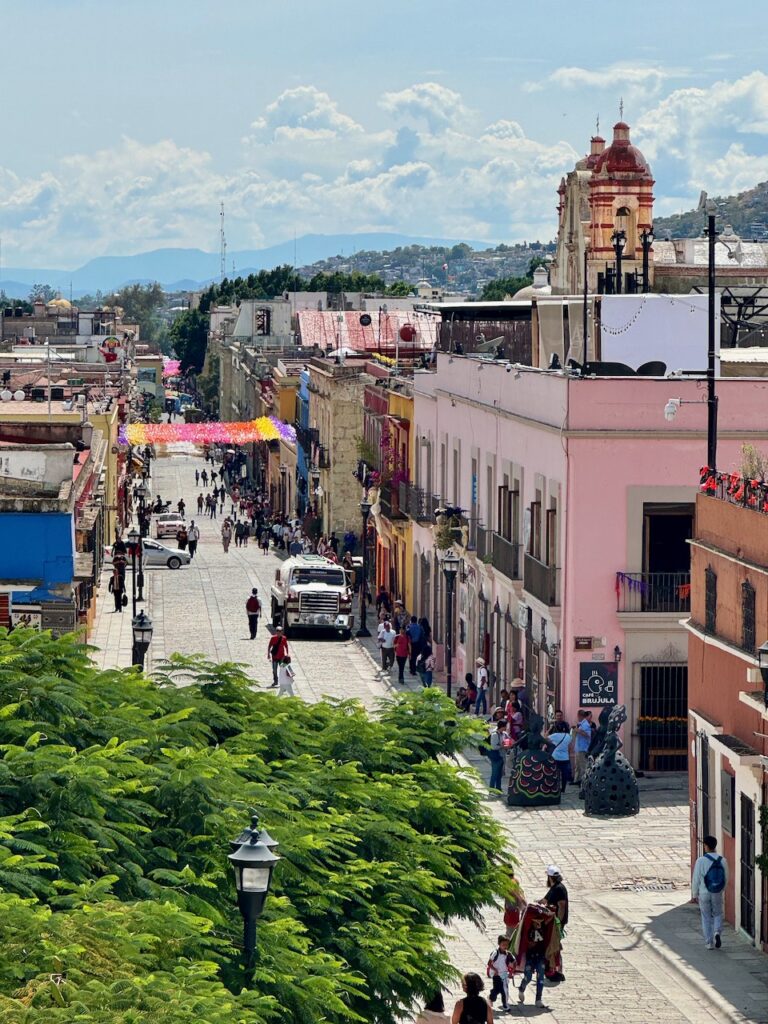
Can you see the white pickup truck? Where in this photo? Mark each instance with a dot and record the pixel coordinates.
(311, 592)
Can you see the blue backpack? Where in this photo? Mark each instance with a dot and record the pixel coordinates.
(714, 880)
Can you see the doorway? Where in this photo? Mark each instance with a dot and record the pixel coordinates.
(660, 697)
(747, 866)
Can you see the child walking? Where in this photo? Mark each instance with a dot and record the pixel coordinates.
(285, 677)
(499, 964)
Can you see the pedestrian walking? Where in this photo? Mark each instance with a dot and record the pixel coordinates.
(582, 740)
(710, 877)
(500, 963)
(425, 664)
(496, 754)
(213, 507)
(204, 477)
(213, 475)
(182, 536)
(193, 536)
(117, 588)
(560, 743)
(482, 687)
(181, 507)
(277, 649)
(285, 677)
(556, 899)
(416, 636)
(434, 1011)
(472, 1009)
(402, 650)
(387, 637)
(533, 938)
(197, 478)
(264, 542)
(253, 610)
(200, 504)
(226, 535)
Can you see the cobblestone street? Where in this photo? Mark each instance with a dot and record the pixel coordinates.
(633, 947)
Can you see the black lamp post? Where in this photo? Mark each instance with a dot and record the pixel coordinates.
(254, 862)
(451, 563)
(646, 240)
(618, 241)
(762, 660)
(134, 542)
(365, 508)
(142, 638)
(711, 210)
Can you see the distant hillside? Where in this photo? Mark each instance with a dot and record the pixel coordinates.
(747, 213)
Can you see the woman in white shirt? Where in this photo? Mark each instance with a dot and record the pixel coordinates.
(560, 742)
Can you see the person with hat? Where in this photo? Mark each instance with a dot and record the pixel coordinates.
(277, 651)
(481, 677)
(556, 898)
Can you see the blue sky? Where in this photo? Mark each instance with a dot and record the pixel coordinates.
(126, 124)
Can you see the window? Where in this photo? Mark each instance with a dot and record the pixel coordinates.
(747, 616)
(710, 600)
(534, 543)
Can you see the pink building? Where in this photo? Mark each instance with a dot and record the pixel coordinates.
(579, 498)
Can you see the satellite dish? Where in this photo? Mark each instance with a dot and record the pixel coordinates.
(6, 395)
(19, 396)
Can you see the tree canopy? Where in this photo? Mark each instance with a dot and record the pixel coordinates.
(119, 796)
(189, 336)
(140, 303)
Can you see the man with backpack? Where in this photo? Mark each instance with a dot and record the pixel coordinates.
(710, 876)
(253, 608)
(277, 651)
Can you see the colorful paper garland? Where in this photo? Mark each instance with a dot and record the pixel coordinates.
(265, 428)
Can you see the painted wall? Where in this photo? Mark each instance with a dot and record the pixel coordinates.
(38, 548)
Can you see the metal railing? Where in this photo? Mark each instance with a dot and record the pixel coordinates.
(506, 556)
(653, 592)
(323, 457)
(541, 581)
(417, 503)
(483, 545)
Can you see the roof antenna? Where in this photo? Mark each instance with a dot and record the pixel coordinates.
(621, 109)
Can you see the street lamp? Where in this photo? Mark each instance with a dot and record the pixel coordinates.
(142, 638)
(365, 508)
(134, 545)
(646, 240)
(254, 862)
(762, 660)
(450, 562)
(618, 241)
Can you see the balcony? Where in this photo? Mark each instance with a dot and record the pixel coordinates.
(668, 592)
(389, 500)
(323, 457)
(306, 436)
(541, 581)
(506, 556)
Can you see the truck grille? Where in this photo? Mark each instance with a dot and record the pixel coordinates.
(319, 604)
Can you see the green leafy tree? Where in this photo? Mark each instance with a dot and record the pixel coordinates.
(140, 304)
(119, 795)
(41, 293)
(501, 287)
(189, 336)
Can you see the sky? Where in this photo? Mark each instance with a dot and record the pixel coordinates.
(126, 124)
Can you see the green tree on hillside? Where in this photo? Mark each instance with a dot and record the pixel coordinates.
(120, 796)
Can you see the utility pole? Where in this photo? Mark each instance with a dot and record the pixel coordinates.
(223, 246)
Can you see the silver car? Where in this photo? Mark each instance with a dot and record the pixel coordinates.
(157, 555)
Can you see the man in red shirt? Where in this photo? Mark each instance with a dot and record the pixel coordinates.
(253, 608)
(277, 649)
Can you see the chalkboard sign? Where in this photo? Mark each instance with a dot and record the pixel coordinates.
(598, 683)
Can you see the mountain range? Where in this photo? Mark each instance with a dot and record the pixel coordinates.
(184, 269)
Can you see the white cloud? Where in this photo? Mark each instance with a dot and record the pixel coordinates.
(426, 102)
(304, 113)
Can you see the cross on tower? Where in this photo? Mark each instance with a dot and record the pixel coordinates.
(621, 109)
(597, 125)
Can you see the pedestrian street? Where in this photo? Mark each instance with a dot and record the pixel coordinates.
(632, 950)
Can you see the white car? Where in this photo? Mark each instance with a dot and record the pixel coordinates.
(156, 555)
(168, 524)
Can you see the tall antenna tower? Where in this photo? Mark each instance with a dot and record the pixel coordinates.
(223, 240)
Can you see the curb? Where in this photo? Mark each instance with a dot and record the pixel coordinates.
(663, 952)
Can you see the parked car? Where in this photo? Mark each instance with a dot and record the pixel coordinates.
(157, 555)
(168, 524)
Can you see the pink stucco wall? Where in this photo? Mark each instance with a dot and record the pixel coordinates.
(598, 439)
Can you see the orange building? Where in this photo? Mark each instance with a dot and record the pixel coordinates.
(728, 717)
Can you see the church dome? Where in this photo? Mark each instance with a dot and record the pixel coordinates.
(621, 157)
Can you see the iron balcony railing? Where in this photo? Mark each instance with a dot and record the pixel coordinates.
(653, 592)
(541, 581)
(506, 556)
(417, 503)
(306, 436)
(389, 500)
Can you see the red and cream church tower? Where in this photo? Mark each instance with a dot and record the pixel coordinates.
(604, 203)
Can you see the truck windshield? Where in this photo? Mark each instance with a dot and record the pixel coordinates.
(331, 577)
